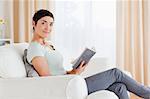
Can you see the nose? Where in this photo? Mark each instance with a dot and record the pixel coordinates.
(47, 28)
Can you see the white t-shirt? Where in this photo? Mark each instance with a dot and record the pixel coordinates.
(54, 58)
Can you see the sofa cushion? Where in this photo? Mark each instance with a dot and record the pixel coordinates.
(11, 64)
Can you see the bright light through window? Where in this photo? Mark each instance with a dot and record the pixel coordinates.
(81, 24)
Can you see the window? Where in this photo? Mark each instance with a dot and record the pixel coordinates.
(81, 24)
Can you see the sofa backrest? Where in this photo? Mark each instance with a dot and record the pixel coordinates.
(97, 65)
(20, 47)
(11, 63)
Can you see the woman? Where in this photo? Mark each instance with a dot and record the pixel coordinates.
(47, 61)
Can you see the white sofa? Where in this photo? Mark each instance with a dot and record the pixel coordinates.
(53, 87)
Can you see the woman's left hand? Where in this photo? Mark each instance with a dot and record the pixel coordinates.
(79, 70)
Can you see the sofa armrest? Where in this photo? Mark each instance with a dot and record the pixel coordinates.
(53, 87)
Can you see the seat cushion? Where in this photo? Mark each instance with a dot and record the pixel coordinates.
(104, 94)
(11, 63)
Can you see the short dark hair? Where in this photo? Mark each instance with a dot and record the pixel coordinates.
(41, 13)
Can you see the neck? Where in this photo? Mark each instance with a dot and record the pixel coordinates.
(38, 39)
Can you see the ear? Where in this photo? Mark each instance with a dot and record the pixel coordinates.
(33, 23)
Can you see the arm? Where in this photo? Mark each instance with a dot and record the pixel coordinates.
(41, 66)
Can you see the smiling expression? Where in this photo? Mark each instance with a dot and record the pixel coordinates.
(43, 26)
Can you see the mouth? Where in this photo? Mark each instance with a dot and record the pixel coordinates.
(46, 32)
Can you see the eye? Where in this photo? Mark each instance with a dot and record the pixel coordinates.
(42, 22)
(51, 24)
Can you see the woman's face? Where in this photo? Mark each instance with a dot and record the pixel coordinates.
(43, 26)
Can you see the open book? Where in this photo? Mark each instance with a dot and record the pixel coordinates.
(85, 56)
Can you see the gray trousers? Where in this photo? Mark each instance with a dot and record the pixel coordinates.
(116, 81)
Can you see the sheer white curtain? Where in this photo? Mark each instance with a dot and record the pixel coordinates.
(80, 24)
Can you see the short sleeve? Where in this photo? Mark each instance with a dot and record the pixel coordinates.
(34, 50)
